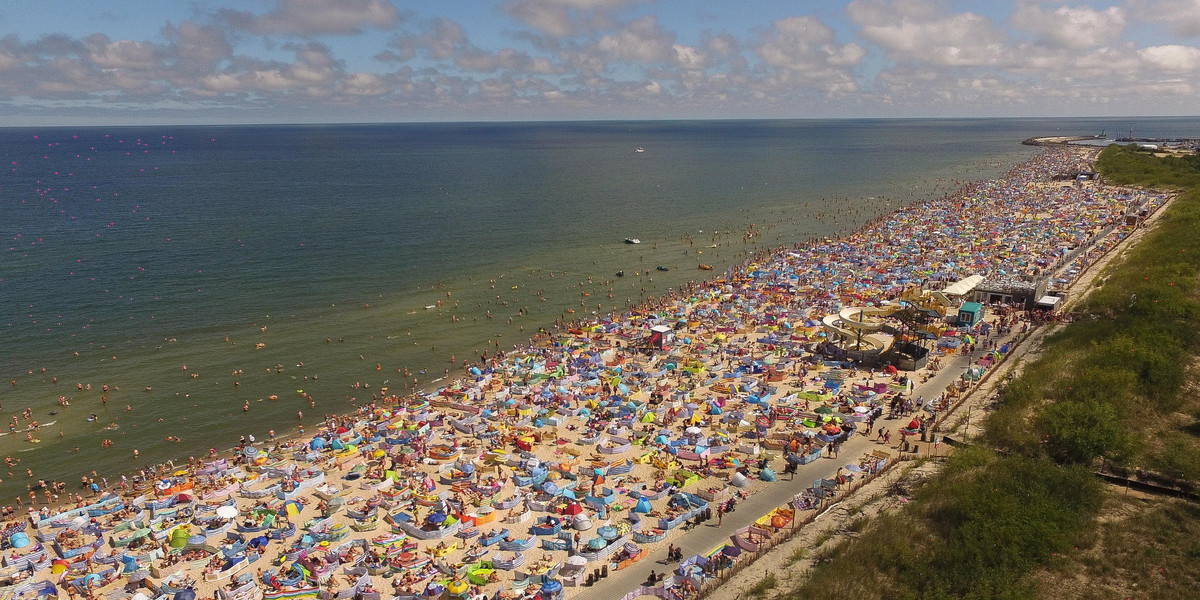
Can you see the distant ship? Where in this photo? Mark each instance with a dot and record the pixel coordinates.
(632, 241)
(640, 149)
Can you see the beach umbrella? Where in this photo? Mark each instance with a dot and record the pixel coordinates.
(693, 430)
(457, 586)
(188, 594)
(436, 518)
(227, 512)
(79, 522)
(551, 587)
(577, 560)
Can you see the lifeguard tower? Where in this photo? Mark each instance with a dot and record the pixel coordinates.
(661, 337)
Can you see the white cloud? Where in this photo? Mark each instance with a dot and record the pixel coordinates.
(12, 54)
(481, 61)
(689, 57)
(365, 84)
(316, 17)
(642, 40)
(1172, 58)
(313, 73)
(197, 48)
(446, 41)
(802, 51)
(1072, 27)
(120, 54)
(1181, 16)
(566, 18)
(914, 30)
(620, 58)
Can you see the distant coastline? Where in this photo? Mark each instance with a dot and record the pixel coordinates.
(1058, 140)
(1191, 144)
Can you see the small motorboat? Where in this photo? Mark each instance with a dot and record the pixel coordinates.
(662, 268)
(705, 267)
(620, 273)
(632, 240)
(640, 149)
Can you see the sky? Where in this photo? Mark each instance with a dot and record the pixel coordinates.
(93, 62)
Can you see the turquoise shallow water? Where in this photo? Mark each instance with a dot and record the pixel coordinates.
(295, 258)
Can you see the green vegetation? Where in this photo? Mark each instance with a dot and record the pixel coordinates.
(1127, 165)
(858, 524)
(796, 556)
(1112, 389)
(763, 586)
(1142, 550)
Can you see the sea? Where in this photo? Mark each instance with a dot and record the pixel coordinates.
(171, 289)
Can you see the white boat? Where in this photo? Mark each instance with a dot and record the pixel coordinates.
(632, 241)
(640, 149)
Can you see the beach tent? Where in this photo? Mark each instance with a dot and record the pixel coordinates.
(643, 505)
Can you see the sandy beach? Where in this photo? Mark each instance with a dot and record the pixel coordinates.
(604, 443)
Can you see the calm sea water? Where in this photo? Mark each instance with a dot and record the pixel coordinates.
(274, 260)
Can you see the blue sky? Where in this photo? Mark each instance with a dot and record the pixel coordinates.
(317, 61)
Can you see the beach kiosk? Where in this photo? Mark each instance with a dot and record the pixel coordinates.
(661, 337)
(969, 314)
(1048, 303)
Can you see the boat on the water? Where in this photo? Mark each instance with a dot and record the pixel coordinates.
(631, 240)
(620, 273)
(705, 267)
(662, 268)
(640, 149)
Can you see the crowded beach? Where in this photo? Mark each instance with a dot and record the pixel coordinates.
(545, 468)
